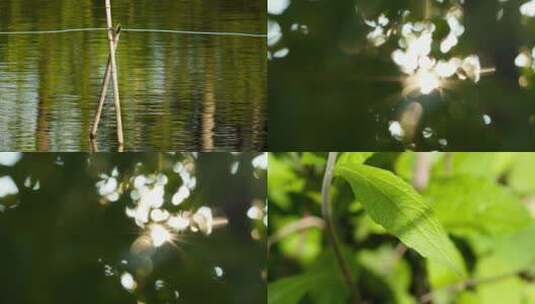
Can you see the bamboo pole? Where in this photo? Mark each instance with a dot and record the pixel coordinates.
(114, 74)
(104, 89)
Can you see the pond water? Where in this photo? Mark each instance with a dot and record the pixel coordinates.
(333, 75)
(132, 228)
(178, 92)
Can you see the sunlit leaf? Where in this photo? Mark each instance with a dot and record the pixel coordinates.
(395, 205)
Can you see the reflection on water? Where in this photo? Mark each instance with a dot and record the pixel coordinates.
(178, 92)
(403, 74)
(133, 228)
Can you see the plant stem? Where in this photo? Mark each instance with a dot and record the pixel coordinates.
(331, 232)
(103, 91)
(116, 98)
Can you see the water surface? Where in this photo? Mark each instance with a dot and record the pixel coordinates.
(178, 92)
(68, 234)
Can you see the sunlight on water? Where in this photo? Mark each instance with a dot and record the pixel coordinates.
(9, 158)
(128, 282)
(159, 220)
(7, 187)
(141, 240)
(366, 61)
(528, 8)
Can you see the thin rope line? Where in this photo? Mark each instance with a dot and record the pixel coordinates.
(53, 31)
(136, 30)
(195, 32)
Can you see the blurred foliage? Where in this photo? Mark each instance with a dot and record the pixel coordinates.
(415, 228)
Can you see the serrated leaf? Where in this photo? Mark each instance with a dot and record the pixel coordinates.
(397, 207)
(467, 204)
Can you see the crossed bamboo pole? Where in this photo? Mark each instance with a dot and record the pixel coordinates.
(111, 72)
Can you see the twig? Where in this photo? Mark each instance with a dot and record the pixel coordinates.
(104, 89)
(114, 74)
(294, 227)
(331, 232)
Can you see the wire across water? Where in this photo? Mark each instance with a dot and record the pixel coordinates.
(136, 30)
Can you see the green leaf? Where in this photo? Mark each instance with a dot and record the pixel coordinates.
(312, 159)
(482, 164)
(353, 158)
(282, 180)
(467, 204)
(397, 207)
(365, 226)
(517, 251)
(330, 287)
(290, 290)
(395, 271)
(468, 297)
(506, 289)
(441, 276)
(322, 281)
